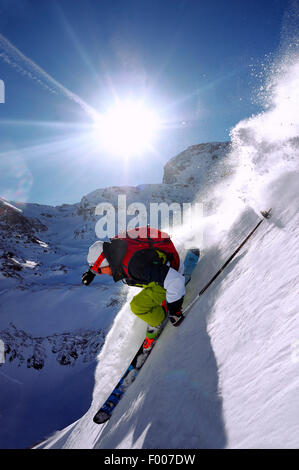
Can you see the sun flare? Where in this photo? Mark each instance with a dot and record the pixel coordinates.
(128, 128)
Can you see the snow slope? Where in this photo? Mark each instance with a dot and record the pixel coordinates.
(228, 377)
(230, 372)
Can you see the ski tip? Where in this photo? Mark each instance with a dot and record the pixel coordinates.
(101, 417)
(267, 214)
(195, 251)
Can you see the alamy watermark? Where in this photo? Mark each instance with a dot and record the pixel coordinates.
(156, 215)
(2, 92)
(2, 352)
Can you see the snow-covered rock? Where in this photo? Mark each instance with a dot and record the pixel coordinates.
(24, 349)
(197, 164)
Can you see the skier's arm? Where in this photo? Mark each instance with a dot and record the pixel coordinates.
(174, 283)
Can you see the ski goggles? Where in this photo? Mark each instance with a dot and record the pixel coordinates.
(96, 266)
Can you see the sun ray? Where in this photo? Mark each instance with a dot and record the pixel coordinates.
(27, 67)
(50, 124)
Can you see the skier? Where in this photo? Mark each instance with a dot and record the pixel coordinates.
(150, 262)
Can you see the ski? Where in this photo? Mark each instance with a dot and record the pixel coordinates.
(114, 398)
(105, 412)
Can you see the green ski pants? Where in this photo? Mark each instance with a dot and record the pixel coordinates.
(147, 304)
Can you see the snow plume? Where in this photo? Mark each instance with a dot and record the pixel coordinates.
(265, 148)
(25, 66)
(267, 145)
(262, 162)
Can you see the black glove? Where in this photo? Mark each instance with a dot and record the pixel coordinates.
(175, 313)
(88, 277)
(176, 306)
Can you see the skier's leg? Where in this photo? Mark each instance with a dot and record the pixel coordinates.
(147, 304)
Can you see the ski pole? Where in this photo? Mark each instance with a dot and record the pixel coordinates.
(266, 215)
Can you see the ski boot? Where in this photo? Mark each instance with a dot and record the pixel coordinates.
(175, 318)
(152, 333)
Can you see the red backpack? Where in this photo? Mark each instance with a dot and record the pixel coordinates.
(149, 238)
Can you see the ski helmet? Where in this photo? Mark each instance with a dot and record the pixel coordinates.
(94, 253)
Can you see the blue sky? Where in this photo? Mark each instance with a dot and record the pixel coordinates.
(197, 63)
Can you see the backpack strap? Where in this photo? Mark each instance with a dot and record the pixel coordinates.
(98, 263)
(115, 251)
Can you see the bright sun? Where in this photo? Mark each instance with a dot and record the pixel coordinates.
(127, 129)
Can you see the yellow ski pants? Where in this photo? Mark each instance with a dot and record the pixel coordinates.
(147, 304)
